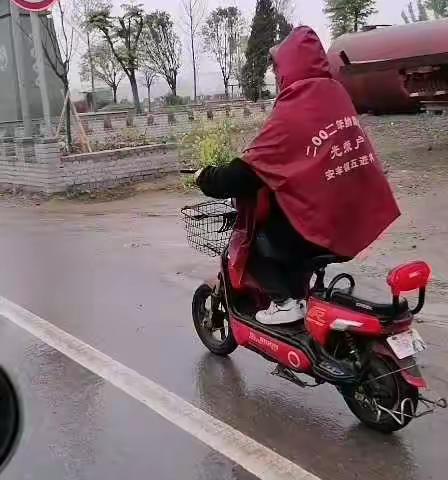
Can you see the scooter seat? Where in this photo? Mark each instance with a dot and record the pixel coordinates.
(385, 311)
(322, 261)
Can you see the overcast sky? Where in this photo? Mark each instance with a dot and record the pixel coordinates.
(306, 12)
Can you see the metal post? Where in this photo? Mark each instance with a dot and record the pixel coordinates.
(20, 64)
(39, 51)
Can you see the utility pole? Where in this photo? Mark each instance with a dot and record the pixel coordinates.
(39, 52)
(17, 34)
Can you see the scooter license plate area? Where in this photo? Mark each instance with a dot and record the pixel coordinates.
(406, 344)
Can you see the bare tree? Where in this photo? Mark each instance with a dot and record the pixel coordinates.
(437, 9)
(124, 34)
(284, 18)
(104, 66)
(149, 77)
(222, 36)
(163, 48)
(194, 13)
(285, 8)
(58, 44)
(82, 10)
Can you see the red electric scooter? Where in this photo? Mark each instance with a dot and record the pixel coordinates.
(365, 349)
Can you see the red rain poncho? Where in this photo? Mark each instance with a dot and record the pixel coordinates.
(315, 156)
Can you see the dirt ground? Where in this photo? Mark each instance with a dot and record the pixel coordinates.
(419, 176)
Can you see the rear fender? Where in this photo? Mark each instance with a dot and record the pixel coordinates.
(409, 369)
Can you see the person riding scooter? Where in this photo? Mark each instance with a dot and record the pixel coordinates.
(310, 184)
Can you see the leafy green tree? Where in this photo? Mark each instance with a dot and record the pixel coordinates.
(222, 37)
(262, 38)
(438, 7)
(124, 34)
(348, 16)
(163, 48)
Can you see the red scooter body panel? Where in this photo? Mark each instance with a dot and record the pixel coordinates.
(281, 352)
(323, 318)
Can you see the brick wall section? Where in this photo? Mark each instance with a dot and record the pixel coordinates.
(30, 165)
(34, 165)
(109, 168)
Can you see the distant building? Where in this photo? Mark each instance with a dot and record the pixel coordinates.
(10, 110)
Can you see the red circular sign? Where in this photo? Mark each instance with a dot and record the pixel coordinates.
(35, 5)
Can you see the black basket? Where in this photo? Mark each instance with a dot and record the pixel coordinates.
(209, 226)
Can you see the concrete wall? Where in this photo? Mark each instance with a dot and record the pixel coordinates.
(38, 166)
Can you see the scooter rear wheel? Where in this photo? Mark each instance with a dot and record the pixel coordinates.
(383, 386)
(211, 321)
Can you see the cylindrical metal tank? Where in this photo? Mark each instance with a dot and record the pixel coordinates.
(384, 91)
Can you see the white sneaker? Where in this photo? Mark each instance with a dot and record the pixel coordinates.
(288, 312)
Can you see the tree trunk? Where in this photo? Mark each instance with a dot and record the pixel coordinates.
(92, 72)
(149, 96)
(68, 119)
(173, 85)
(114, 89)
(195, 73)
(135, 96)
(226, 88)
(356, 23)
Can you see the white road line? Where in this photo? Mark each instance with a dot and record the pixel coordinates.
(241, 449)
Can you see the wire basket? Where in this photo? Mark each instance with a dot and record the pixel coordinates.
(209, 226)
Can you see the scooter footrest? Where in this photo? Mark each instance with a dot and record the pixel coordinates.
(333, 371)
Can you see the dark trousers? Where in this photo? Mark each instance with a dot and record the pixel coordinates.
(282, 274)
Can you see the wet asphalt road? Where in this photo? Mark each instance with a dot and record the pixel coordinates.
(122, 282)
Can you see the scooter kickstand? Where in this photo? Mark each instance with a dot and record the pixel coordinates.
(287, 374)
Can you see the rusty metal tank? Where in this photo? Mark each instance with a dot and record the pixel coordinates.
(393, 69)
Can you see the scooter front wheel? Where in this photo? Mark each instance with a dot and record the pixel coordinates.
(211, 321)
